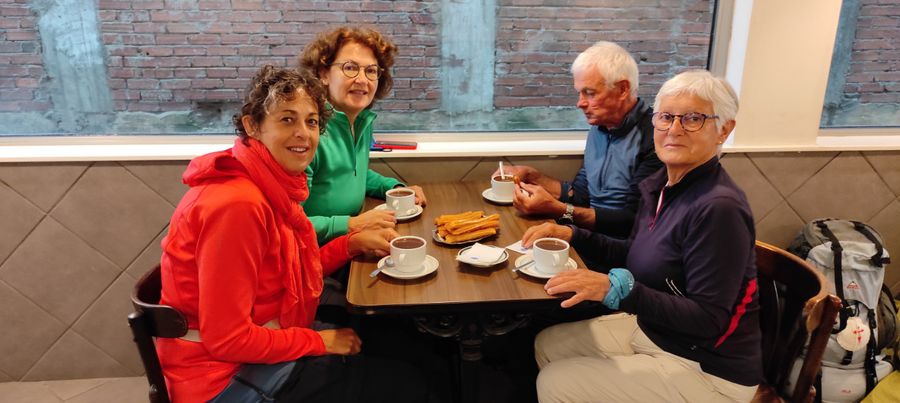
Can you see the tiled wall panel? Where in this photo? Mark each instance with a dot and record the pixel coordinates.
(77, 235)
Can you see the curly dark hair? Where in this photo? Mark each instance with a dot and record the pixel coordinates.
(273, 85)
(319, 54)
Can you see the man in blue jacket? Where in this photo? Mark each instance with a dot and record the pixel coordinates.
(619, 153)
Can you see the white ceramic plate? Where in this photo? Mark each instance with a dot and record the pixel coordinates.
(429, 266)
(489, 195)
(419, 210)
(534, 272)
(460, 256)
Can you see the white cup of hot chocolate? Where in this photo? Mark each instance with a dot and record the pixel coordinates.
(401, 200)
(503, 187)
(551, 255)
(408, 253)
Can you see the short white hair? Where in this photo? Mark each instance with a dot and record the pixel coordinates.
(706, 86)
(612, 61)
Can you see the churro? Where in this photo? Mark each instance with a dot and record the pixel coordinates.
(467, 226)
(468, 236)
(468, 215)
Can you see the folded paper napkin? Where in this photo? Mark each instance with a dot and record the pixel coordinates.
(517, 247)
(479, 253)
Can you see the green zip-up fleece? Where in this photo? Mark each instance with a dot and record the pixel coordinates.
(339, 175)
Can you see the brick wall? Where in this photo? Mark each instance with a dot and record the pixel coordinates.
(167, 55)
(173, 55)
(537, 40)
(874, 75)
(179, 55)
(21, 67)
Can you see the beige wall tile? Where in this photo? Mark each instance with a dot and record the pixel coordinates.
(780, 226)
(120, 390)
(70, 388)
(847, 188)
(74, 357)
(162, 176)
(42, 183)
(28, 331)
(416, 171)
(379, 166)
(149, 257)
(483, 170)
(887, 223)
(761, 195)
(31, 392)
(788, 170)
(58, 271)
(104, 325)
(887, 164)
(114, 206)
(18, 217)
(114, 212)
(563, 167)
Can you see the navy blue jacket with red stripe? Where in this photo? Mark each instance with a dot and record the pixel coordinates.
(695, 273)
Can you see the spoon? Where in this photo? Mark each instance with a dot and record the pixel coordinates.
(523, 265)
(387, 263)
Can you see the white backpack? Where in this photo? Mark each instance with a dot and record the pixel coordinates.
(851, 256)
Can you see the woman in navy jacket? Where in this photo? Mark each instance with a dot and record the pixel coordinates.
(686, 286)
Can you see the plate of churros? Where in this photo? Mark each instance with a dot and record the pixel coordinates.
(465, 228)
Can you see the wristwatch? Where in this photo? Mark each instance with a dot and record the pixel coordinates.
(568, 217)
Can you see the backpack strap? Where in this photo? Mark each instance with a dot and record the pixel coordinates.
(818, 385)
(878, 259)
(837, 251)
(871, 376)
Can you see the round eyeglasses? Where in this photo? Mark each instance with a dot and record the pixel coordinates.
(351, 70)
(690, 122)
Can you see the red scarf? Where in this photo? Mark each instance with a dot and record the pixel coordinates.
(299, 248)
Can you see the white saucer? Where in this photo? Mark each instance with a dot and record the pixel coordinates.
(419, 209)
(459, 257)
(534, 272)
(430, 265)
(437, 238)
(489, 194)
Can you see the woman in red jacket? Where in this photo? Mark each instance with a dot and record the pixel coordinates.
(241, 262)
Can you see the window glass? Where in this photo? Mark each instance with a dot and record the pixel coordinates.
(864, 81)
(110, 67)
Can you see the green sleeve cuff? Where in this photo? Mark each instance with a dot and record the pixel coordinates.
(328, 228)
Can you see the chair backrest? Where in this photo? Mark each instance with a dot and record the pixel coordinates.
(150, 320)
(795, 307)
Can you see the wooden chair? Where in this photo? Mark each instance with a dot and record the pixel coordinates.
(794, 303)
(151, 320)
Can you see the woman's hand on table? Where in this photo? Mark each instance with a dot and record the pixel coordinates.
(546, 230)
(586, 284)
(342, 341)
(372, 219)
(372, 242)
(534, 199)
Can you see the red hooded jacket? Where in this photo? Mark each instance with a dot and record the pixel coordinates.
(221, 268)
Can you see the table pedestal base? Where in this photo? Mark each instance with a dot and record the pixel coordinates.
(470, 331)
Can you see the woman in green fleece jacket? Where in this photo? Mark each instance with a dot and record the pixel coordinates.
(354, 63)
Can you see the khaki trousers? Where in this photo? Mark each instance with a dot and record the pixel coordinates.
(609, 359)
